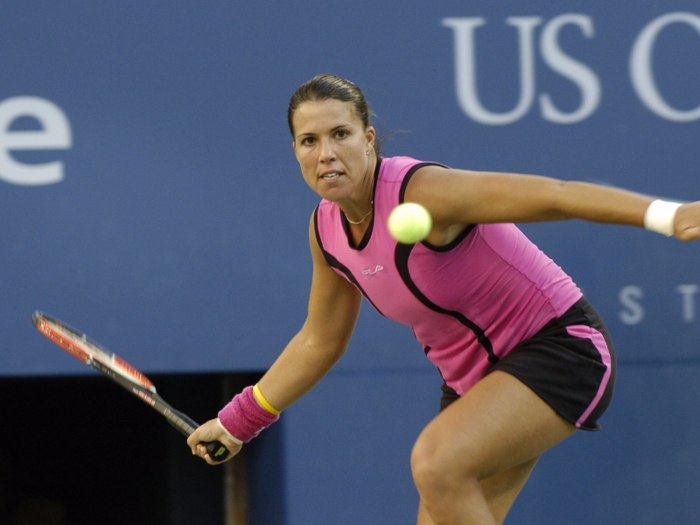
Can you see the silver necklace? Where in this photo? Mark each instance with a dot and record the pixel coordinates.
(363, 218)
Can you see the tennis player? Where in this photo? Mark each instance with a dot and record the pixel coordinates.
(526, 360)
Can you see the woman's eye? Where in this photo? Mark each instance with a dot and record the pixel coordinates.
(308, 141)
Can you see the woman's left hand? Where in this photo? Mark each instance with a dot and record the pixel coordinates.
(687, 222)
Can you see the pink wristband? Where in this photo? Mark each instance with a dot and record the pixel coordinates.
(244, 418)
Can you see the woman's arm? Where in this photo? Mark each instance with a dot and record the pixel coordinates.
(334, 305)
(459, 197)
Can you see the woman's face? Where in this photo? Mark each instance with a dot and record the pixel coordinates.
(331, 145)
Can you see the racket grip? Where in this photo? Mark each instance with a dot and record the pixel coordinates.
(217, 452)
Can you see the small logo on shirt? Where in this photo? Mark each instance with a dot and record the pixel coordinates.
(369, 271)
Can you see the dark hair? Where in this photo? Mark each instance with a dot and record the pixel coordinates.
(324, 87)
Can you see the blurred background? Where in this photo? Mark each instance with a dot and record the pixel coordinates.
(149, 196)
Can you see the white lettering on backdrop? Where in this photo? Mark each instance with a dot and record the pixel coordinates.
(55, 134)
(585, 79)
(642, 72)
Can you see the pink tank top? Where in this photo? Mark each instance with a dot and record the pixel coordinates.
(468, 303)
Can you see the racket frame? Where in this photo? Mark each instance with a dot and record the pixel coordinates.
(96, 356)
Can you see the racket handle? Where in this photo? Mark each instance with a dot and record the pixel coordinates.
(217, 452)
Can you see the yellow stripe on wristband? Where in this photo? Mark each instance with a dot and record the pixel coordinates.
(261, 399)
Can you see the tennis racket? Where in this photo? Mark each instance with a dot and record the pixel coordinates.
(120, 372)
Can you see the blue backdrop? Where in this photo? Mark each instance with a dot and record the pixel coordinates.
(149, 196)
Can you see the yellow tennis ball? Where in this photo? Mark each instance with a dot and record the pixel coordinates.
(410, 223)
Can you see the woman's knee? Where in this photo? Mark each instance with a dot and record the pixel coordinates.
(437, 468)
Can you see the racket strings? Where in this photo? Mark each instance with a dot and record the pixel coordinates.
(81, 347)
(133, 373)
(62, 341)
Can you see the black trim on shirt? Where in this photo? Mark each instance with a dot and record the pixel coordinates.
(335, 263)
(346, 225)
(410, 174)
(401, 255)
(452, 244)
(463, 234)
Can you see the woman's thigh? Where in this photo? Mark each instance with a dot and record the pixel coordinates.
(497, 425)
